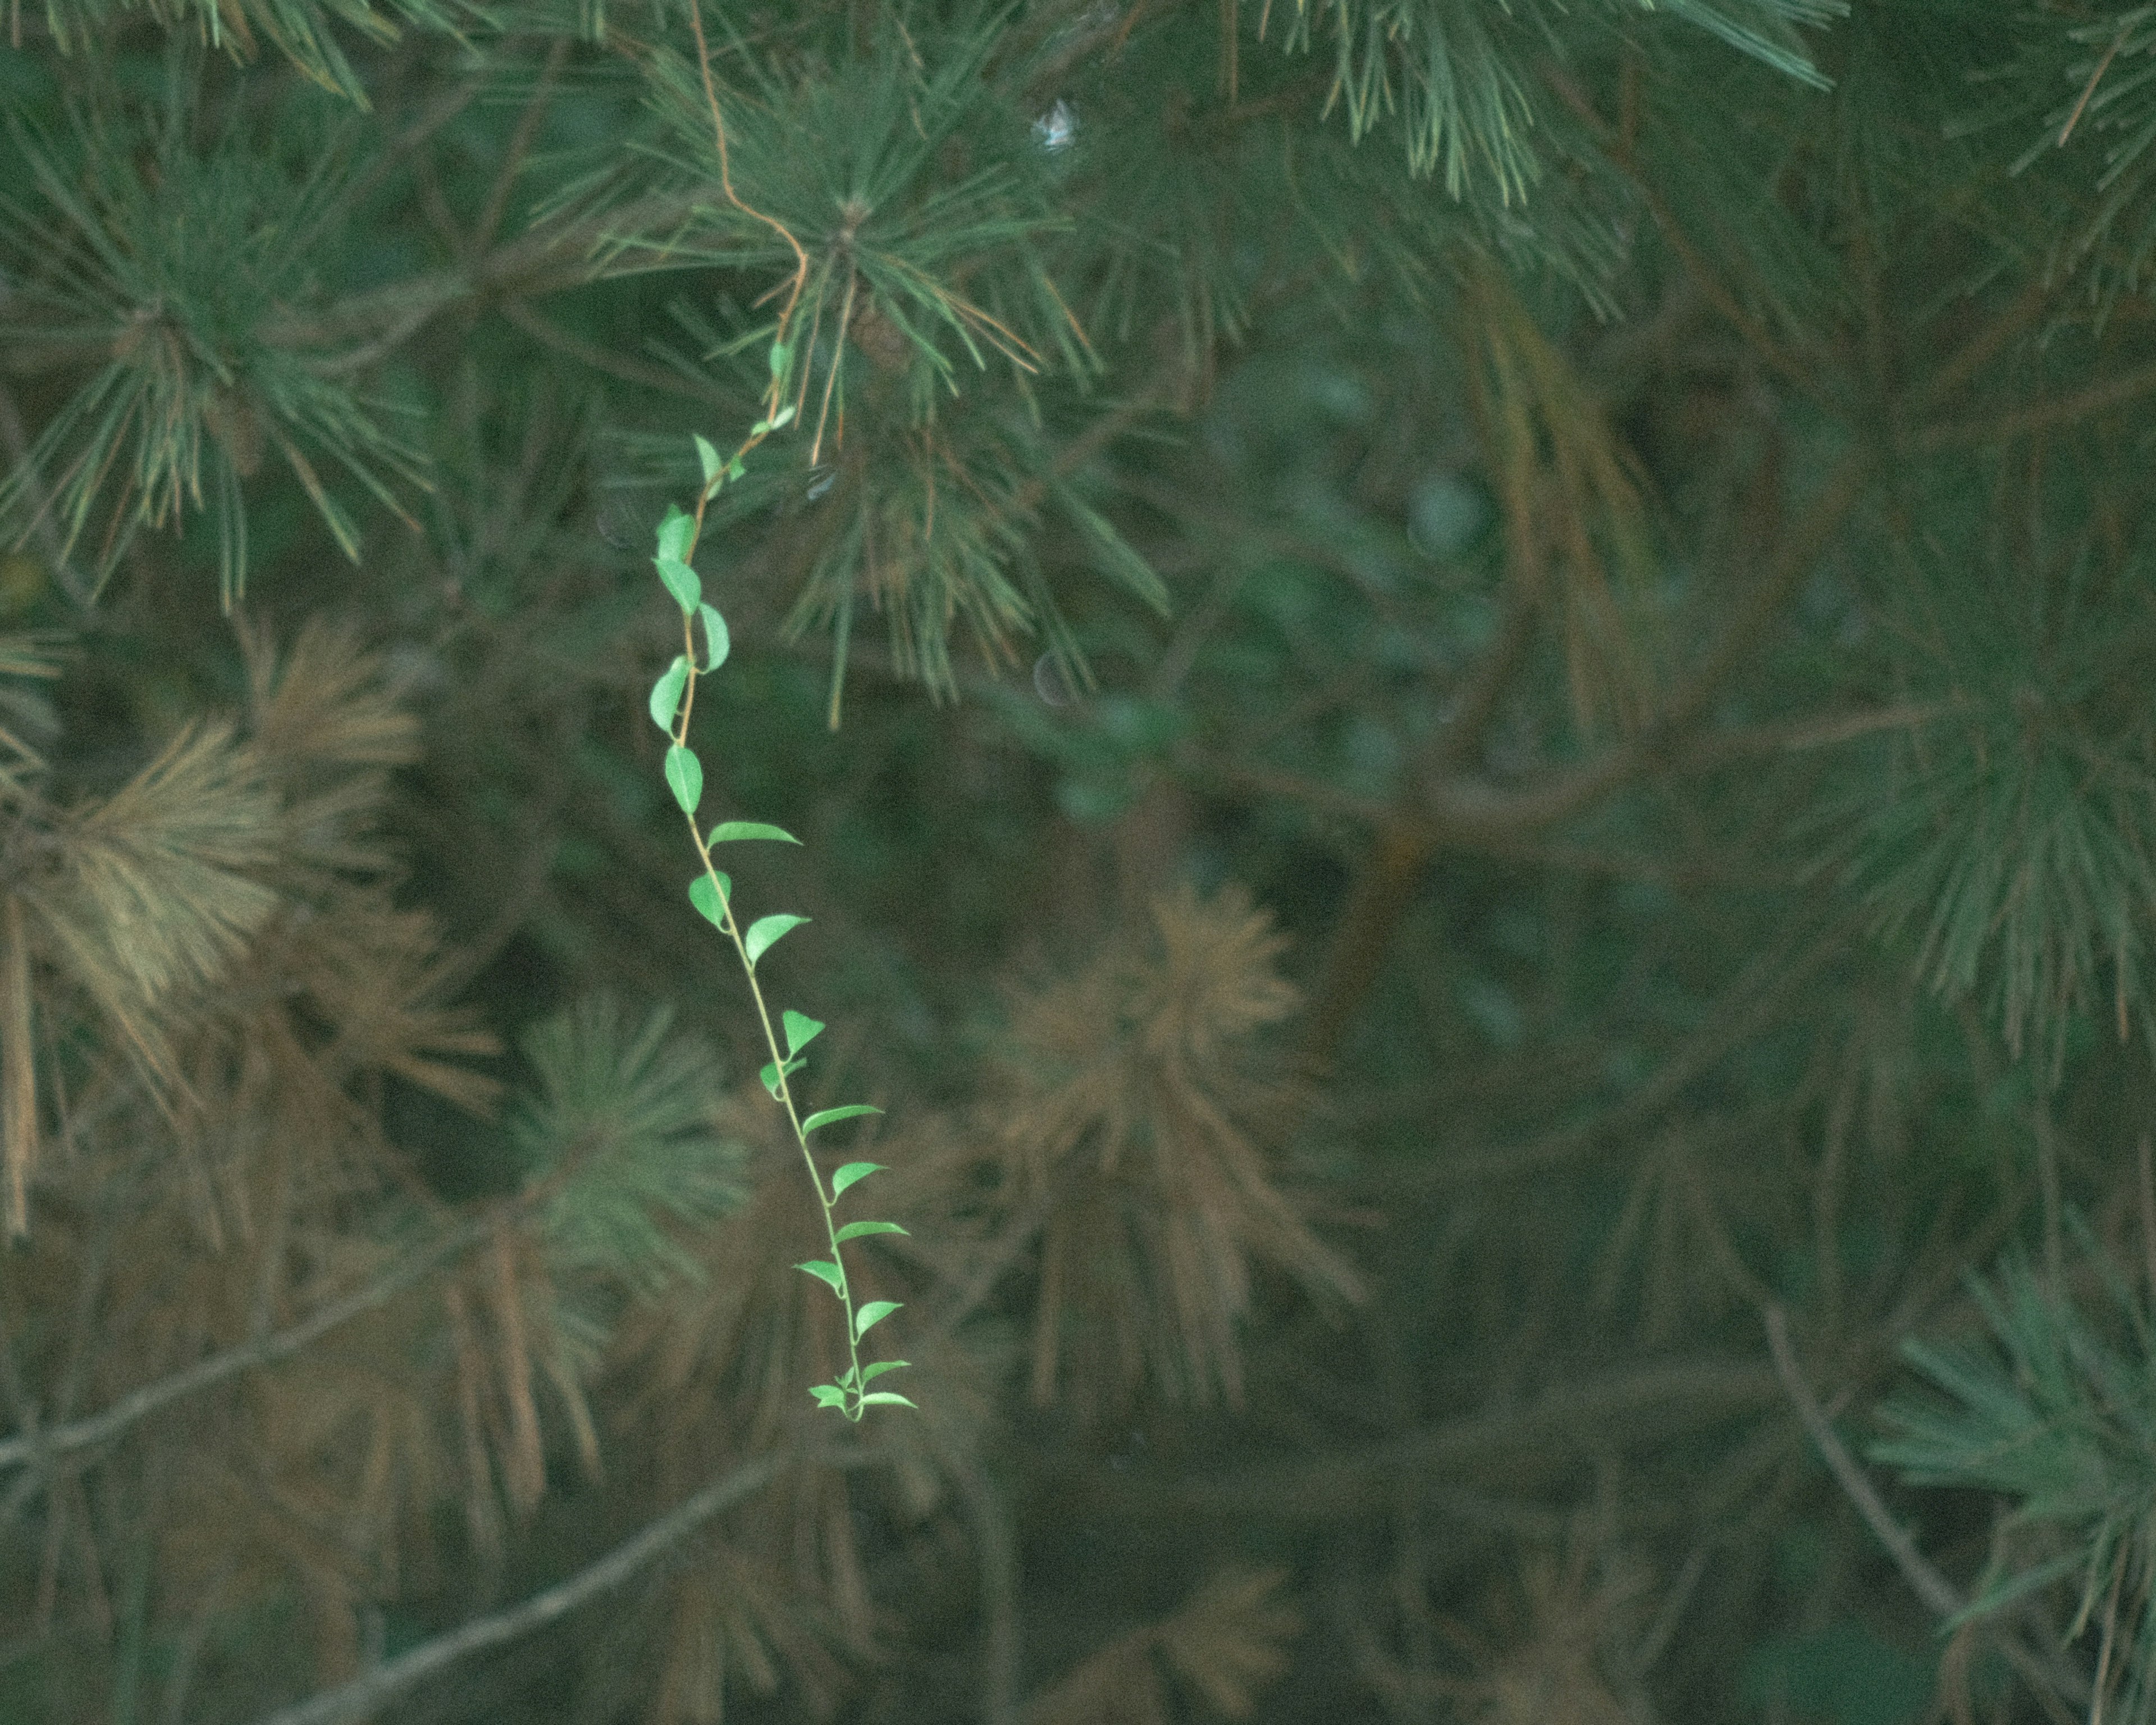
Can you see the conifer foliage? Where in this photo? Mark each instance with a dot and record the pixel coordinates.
(1466, 686)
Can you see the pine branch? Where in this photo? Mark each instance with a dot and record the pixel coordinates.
(35, 1447)
(367, 1695)
(1654, 1403)
(1943, 1599)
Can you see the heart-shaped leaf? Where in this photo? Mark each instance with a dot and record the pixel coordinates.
(717, 642)
(852, 1172)
(824, 1271)
(685, 778)
(875, 1312)
(727, 832)
(831, 1117)
(828, 1395)
(769, 1075)
(666, 693)
(854, 1230)
(675, 530)
(801, 1029)
(710, 898)
(680, 581)
(765, 931)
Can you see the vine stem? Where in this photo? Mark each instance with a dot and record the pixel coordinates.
(852, 1383)
(726, 186)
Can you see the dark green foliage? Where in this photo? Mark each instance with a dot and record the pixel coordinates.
(2058, 1417)
(188, 262)
(1466, 691)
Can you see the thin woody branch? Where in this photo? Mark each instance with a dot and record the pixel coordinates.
(368, 1695)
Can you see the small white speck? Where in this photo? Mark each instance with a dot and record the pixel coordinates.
(1058, 128)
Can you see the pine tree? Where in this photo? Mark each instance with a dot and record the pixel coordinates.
(1469, 688)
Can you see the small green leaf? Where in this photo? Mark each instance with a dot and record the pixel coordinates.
(875, 1312)
(824, 1271)
(734, 468)
(681, 582)
(854, 1230)
(676, 532)
(782, 417)
(717, 642)
(880, 1366)
(801, 1029)
(666, 693)
(708, 458)
(765, 931)
(831, 1117)
(885, 1395)
(761, 428)
(828, 1395)
(852, 1172)
(728, 831)
(782, 355)
(769, 1075)
(685, 776)
(710, 897)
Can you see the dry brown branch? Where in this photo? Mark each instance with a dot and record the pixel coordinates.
(368, 1695)
(1934, 1589)
(1516, 1445)
(2114, 392)
(1741, 1010)
(140, 1404)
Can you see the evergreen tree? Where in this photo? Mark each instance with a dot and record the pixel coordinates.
(1469, 688)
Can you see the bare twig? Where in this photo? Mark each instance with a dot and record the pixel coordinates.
(1933, 1588)
(2113, 391)
(1739, 1013)
(1650, 1403)
(366, 1695)
(996, 1543)
(138, 1404)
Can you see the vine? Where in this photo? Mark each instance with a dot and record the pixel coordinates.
(673, 701)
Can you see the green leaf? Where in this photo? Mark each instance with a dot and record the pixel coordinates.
(824, 1271)
(875, 1312)
(681, 582)
(854, 1230)
(761, 428)
(832, 1116)
(769, 1075)
(710, 897)
(685, 776)
(734, 468)
(666, 693)
(676, 532)
(727, 832)
(717, 642)
(801, 1029)
(852, 1172)
(780, 419)
(708, 458)
(885, 1395)
(765, 931)
(880, 1366)
(828, 1395)
(782, 356)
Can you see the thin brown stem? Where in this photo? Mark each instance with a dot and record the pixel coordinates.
(1933, 1588)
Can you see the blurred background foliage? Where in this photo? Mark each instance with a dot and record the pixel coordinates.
(1469, 686)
